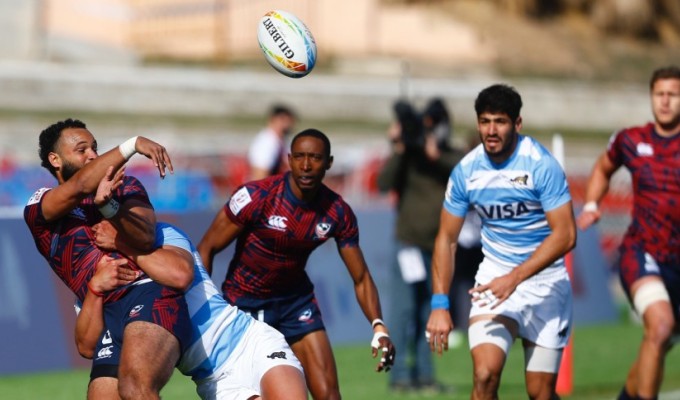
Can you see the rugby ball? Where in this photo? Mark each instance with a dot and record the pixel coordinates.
(287, 44)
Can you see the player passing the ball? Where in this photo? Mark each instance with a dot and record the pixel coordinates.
(277, 222)
(522, 287)
(60, 220)
(649, 262)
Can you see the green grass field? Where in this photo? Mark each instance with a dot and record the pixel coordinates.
(602, 355)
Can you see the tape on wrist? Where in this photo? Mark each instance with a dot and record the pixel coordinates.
(377, 321)
(375, 343)
(439, 302)
(590, 206)
(110, 209)
(94, 292)
(127, 148)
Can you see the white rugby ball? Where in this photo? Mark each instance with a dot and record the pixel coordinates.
(287, 44)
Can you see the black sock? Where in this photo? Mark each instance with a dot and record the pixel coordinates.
(625, 396)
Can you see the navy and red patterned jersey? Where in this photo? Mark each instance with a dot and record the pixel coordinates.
(280, 232)
(68, 243)
(654, 163)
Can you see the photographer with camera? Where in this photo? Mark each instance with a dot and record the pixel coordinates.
(417, 171)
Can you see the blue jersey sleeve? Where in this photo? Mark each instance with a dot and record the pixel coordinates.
(456, 200)
(169, 235)
(553, 189)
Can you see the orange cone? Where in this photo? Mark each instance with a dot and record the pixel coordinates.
(565, 376)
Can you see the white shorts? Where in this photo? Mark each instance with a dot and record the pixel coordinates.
(261, 349)
(541, 305)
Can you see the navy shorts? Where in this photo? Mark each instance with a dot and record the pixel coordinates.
(635, 263)
(294, 316)
(149, 302)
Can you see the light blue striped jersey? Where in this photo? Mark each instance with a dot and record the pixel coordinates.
(511, 198)
(217, 327)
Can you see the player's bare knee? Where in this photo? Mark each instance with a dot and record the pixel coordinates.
(542, 393)
(659, 334)
(486, 377)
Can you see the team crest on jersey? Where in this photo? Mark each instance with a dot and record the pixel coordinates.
(645, 149)
(239, 200)
(322, 229)
(306, 316)
(135, 310)
(277, 222)
(520, 180)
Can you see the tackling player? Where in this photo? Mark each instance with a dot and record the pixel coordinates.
(230, 356)
(277, 222)
(649, 263)
(522, 287)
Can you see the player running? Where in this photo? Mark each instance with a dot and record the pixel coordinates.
(522, 288)
(649, 265)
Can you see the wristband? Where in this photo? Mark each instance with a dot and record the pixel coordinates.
(439, 302)
(590, 206)
(127, 148)
(110, 209)
(377, 321)
(375, 343)
(94, 292)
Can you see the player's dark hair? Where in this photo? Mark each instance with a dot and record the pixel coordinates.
(280, 109)
(499, 98)
(48, 140)
(669, 72)
(315, 133)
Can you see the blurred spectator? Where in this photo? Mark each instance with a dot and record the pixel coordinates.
(266, 155)
(417, 171)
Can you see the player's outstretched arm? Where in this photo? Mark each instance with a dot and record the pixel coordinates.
(220, 234)
(65, 197)
(369, 301)
(598, 185)
(169, 265)
(439, 324)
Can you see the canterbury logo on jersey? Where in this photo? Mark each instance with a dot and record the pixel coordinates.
(105, 352)
(277, 222)
(498, 211)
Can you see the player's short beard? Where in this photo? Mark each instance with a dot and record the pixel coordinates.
(68, 170)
